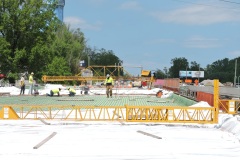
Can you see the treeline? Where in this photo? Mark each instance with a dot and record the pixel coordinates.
(32, 39)
(224, 69)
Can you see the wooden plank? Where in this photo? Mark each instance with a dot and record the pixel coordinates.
(45, 140)
(75, 100)
(148, 134)
(4, 93)
(157, 101)
(42, 120)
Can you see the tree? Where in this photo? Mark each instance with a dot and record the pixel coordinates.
(58, 67)
(105, 57)
(177, 65)
(160, 74)
(224, 70)
(27, 27)
(194, 66)
(102, 57)
(69, 44)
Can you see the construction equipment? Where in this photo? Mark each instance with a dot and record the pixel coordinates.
(98, 74)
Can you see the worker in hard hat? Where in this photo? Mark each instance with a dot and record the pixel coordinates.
(109, 85)
(54, 92)
(72, 92)
(152, 79)
(30, 79)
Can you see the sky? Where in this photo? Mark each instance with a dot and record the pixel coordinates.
(148, 34)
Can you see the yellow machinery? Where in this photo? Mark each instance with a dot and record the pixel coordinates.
(99, 74)
(146, 73)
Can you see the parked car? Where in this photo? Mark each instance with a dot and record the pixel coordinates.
(2, 76)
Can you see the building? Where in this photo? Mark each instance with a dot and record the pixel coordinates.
(60, 8)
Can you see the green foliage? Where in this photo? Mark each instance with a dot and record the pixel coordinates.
(160, 74)
(194, 66)
(12, 77)
(69, 44)
(224, 70)
(58, 67)
(32, 39)
(177, 65)
(102, 57)
(4, 56)
(26, 26)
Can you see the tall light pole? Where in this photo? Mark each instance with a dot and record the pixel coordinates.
(88, 59)
(166, 71)
(238, 82)
(198, 73)
(235, 76)
(186, 74)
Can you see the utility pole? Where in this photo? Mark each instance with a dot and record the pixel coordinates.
(199, 73)
(88, 59)
(235, 75)
(186, 75)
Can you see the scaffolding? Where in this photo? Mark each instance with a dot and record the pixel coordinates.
(99, 74)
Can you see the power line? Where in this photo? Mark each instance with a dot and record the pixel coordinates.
(209, 5)
(230, 2)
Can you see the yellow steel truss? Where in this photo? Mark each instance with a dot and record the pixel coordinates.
(99, 73)
(110, 113)
(171, 114)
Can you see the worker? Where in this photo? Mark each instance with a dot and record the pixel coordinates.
(109, 85)
(30, 92)
(159, 94)
(22, 84)
(72, 92)
(54, 91)
(152, 79)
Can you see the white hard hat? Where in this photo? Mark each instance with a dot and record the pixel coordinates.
(108, 75)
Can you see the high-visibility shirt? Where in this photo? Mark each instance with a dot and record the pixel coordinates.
(31, 79)
(72, 90)
(152, 79)
(109, 81)
(55, 91)
(22, 82)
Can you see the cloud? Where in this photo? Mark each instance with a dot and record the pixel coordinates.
(97, 2)
(197, 15)
(132, 5)
(201, 42)
(235, 53)
(161, 41)
(76, 22)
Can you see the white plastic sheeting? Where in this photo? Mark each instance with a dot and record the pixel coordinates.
(115, 141)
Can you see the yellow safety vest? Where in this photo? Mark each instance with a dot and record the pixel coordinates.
(72, 90)
(31, 79)
(109, 81)
(55, 91)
